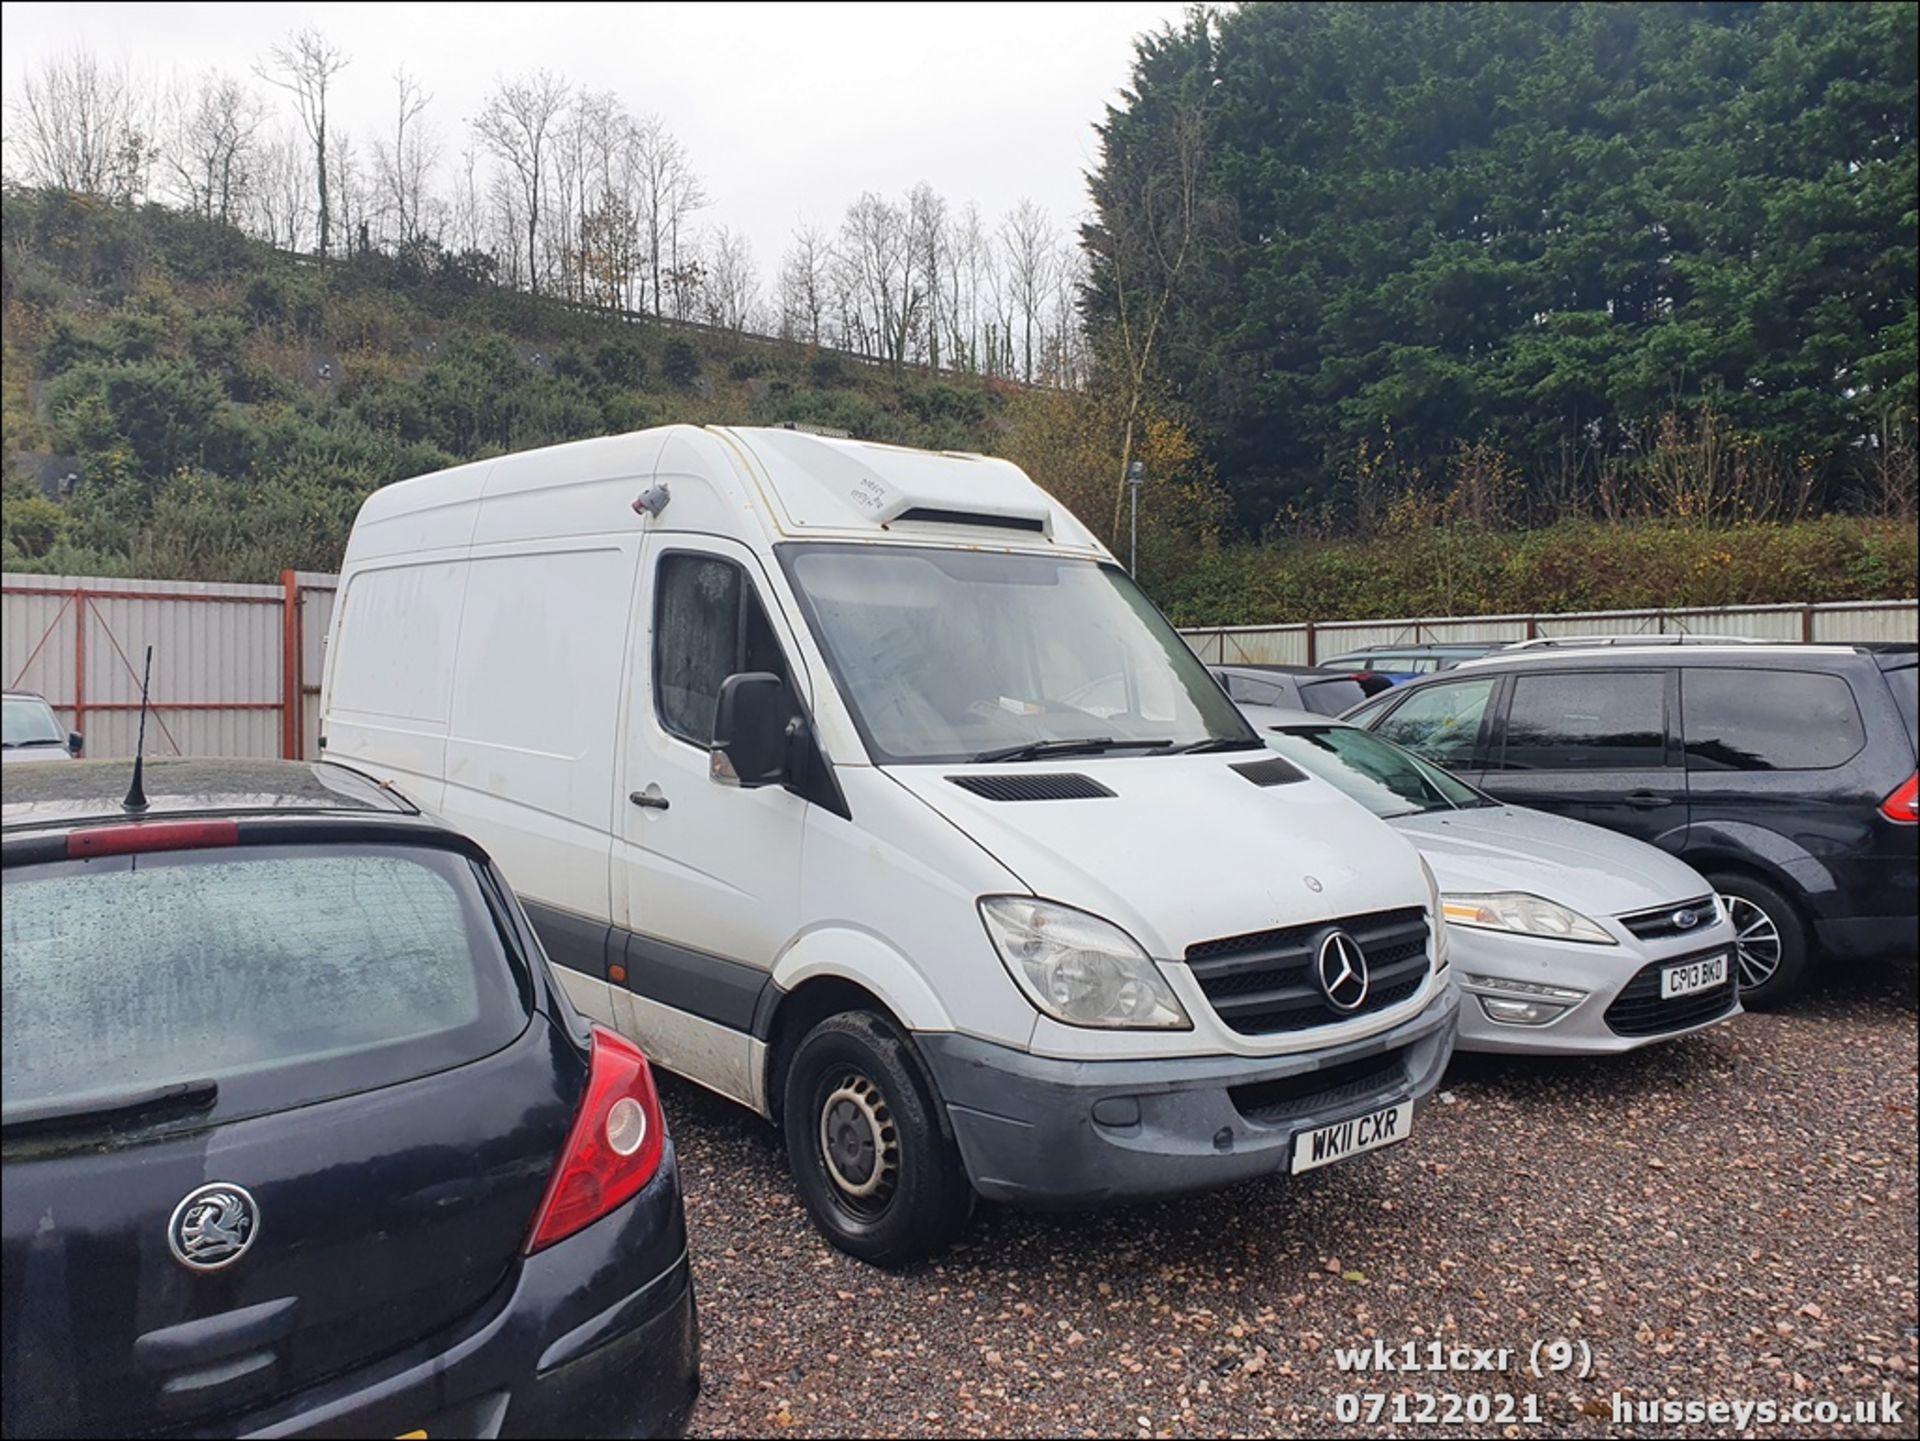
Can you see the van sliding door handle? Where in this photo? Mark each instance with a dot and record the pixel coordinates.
(649, 799)
(1646, 800)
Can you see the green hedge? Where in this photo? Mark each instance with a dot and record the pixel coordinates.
(1569, 567)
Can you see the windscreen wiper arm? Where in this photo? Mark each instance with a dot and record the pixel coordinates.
(107, 1109)
(1219, 743)
(1084, 746)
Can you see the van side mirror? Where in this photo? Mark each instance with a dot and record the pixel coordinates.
(74, 744)
(750, 730)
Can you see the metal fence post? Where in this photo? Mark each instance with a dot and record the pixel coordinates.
(80, 660)
(292, 701)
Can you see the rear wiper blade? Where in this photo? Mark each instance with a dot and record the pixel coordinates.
(1219, 743)
(1085, 746)
(107, 1109)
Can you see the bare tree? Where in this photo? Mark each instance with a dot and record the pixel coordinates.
(304, 67)
(669, 194)
(517, 125)
(82, 126)
(733, 289)
(1027, 238)
(469, 206)
(210, 144)
(1154, 219)
(282, 192)
(607, 243)
(511, 235)
(350, 195)
(969, 259)
(877, 270)
(927, 235)
(805, 275)
(1063, 361)
(404, 171)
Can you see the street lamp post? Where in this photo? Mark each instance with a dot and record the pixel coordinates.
(1136, 472)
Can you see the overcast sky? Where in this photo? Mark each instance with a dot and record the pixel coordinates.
(789, 111)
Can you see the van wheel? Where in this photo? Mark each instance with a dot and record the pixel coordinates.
(879, 1173)
(1770, 941)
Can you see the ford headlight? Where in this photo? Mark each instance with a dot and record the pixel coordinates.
(1078, 968)
(1528, 915)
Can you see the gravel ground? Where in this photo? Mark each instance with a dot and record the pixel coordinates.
(1728, 1217)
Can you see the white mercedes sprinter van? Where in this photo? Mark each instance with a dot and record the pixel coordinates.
(860, 785)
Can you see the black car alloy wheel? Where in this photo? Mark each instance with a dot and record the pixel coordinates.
(1756, 941)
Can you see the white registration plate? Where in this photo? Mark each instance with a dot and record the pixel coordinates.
(1702, 975)
(1342, 1139)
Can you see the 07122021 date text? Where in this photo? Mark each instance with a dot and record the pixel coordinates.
(1437, 1408)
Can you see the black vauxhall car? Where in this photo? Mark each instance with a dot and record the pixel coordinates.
(300, 1136)
(1785, 774)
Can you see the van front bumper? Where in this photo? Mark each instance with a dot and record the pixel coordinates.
(1041, 1132)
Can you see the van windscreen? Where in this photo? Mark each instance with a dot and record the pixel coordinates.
(947, 654)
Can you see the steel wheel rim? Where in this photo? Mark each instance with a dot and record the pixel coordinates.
(1756, 941)
(859, 1145)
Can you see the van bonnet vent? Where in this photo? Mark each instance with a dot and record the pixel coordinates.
(930, 516)
(1272, 772)
(1033, 787)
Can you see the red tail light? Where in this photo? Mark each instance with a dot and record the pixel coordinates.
(614, 1148)
(1904, 804)
(151, 836)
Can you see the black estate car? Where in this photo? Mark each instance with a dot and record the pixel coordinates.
(1784, 773)
(300, 1136)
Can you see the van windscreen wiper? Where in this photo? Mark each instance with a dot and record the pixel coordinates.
(1084, 746)
(108, 1108)
(1219, 743)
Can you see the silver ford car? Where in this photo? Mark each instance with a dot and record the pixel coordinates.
(1568, 939)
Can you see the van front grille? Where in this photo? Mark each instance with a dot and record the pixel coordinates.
(1266, 982)
(1272, 1102)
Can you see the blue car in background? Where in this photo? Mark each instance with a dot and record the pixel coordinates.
(1400, 663)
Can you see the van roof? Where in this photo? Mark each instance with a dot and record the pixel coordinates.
(793, 483)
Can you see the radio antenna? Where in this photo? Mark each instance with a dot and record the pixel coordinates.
(136, 800)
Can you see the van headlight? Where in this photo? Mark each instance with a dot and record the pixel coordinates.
(1078, 968)
(1528, 915)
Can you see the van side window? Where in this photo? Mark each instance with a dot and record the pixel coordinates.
(708, 624)
(1606, 720)
(1739, 720)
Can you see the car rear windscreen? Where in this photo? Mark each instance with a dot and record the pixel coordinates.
(286, 974)
(1332, 697)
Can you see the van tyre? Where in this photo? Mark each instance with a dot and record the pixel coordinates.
(874, 1162)
(1771, 941)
